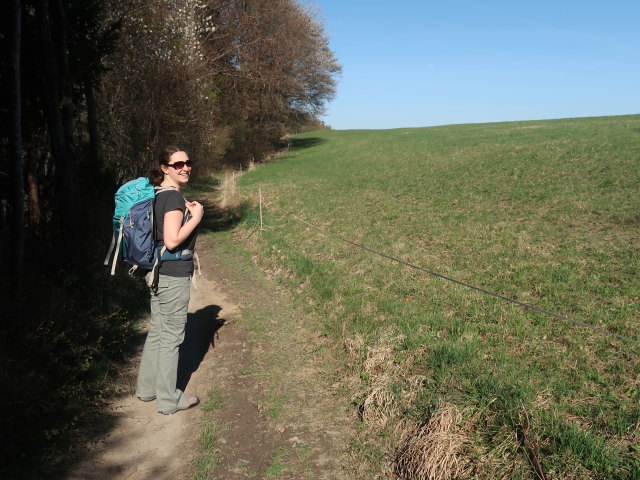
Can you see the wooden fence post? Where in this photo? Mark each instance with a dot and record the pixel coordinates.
(260, 193)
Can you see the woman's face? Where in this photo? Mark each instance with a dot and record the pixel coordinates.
(180, 176)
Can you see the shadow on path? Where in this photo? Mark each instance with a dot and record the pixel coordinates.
(200, 332)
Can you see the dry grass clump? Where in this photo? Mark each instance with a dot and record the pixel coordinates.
(383, 407)
(229, 199)
(413, 387)
(378, 403)
(355, 347)
(379, 406)
(434, 450)
(381, 356)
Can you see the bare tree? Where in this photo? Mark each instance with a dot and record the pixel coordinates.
(15, 140)
(58, 109)
(158, 88)
(272, 62)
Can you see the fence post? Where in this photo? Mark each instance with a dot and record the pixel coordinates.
(260, 193)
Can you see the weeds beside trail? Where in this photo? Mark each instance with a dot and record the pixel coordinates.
(544, 212)
(273, 412)
(64, 340)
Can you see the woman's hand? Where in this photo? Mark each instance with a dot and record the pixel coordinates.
(175, 232)
(196, 210)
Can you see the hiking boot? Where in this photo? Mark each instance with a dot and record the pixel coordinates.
(184, 404)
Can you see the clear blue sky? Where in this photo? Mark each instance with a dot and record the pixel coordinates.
(410, 63)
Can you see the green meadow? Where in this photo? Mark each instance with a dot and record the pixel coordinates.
(544, 212)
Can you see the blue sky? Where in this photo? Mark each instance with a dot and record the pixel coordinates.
(410, 63)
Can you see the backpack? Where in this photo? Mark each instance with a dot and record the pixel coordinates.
(133, 225)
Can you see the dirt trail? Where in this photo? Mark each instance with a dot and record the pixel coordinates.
(142, 443)
(281, 417)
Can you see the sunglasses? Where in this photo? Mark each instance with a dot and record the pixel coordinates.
(180, 165)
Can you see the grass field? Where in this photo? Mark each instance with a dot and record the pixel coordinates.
(545, 212)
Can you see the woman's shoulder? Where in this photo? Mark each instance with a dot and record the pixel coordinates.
(170, 199)
(169, 191)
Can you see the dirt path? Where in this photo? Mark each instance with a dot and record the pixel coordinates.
(280, 415)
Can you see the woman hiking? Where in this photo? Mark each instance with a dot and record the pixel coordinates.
(176, 229)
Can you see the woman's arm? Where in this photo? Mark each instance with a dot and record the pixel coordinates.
(174, 232)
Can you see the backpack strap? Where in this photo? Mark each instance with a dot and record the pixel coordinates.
(163, 189)
(194, 279)
(115, 257)
(113, 244)
(117, 248)
(154, 274)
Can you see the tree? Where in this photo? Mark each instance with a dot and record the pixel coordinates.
(90, 90)
(15, 142)
(106, 84)
(272, 63)
(57, 104)
(158, 88)
(57, 45)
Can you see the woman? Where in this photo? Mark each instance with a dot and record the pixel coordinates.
(176, 228)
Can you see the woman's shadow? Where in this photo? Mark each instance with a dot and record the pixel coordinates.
(199, 333)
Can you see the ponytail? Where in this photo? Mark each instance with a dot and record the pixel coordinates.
(156, 176)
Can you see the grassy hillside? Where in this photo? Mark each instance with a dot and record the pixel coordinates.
(545, 212)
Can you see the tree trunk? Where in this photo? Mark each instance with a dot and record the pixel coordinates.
(58, 127)
(59, 34)
(17, 165)
(35, 214)
(92, 124)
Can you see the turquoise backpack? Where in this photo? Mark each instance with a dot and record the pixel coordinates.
(134, 229)
(133, 226)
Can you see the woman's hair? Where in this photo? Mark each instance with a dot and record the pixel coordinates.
(156, 175)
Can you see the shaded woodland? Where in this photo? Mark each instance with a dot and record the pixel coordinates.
(91, 91)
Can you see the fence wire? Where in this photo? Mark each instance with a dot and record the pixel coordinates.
(464, 284)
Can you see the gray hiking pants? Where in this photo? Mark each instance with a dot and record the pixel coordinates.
(159, 365)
